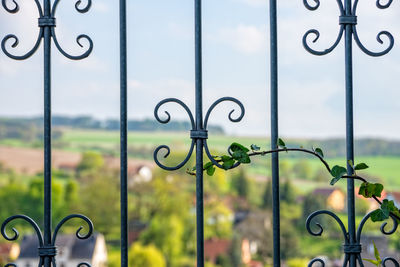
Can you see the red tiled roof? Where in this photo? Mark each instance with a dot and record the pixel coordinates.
(215, 247)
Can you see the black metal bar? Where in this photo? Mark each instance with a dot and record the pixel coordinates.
(274, 132)
(124, 135)
(350, 131)
(47, 133)
(199, 141)
(348, 22)
(46, 22)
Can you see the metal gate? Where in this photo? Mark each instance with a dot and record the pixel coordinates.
(198, 134)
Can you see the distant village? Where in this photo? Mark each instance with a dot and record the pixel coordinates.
(249, 222)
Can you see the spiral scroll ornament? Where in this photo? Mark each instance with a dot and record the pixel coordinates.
(45, 21)
(49, 251)
(348, 247)
(344, 21)
(194, 134)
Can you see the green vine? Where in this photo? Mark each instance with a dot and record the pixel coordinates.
(239, 154)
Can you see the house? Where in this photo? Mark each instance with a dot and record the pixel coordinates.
(213, 248)
(335, 198)
(372, 204)
(70, 251)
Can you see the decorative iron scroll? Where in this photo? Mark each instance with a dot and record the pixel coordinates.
(47, 250)
(46, 21)
(349, 248)
(347, 19)
(194, 135)
(348, 28)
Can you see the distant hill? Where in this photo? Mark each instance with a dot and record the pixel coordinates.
(30, 130)
(15, 127)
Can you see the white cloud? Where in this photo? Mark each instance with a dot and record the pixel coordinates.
(247, 39)
(102, 7)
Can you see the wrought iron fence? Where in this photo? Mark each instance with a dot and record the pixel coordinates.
(198, 133)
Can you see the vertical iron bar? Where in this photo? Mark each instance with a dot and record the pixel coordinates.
(199, 141)
(47, 132)
(274, 132)
(123, 135)
(350, 131)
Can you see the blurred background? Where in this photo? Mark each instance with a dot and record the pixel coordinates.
(161, 64)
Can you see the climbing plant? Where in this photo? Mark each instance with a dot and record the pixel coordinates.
(239, 154)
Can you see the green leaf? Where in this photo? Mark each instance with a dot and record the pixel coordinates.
(361, 166)
(241, 156)
(255, 147)
(351, 163)
(208, 165)
(281, 143)
(369, 190)
(228, 162)
(379, 215)
(337, 172)
(238, 147)
(374, 262)
(211, 171)
(319, 152)
(376, 253)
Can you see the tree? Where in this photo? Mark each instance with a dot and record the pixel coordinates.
(302, 169)
(321, 175)
(148, 256)
(34, 200)
(91, 161)
(100, 200)
(267, 196)
(288, 193)
(71, 196)
(218, 221)
(165, 232)
(240, 184)
(235, 251)
(284, 169)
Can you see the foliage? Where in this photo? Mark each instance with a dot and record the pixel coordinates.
(267, 196)
(297, 262)
(303, 169)
(218, 221)
(378, 260)
(166, 234)
(240, 184)
(100, 195)
(239, 154)
(91, 161)
(148, 256)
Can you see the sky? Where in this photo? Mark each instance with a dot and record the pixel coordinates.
(235, 63)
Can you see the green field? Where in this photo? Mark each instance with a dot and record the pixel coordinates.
(386, 169)
(142, 144)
